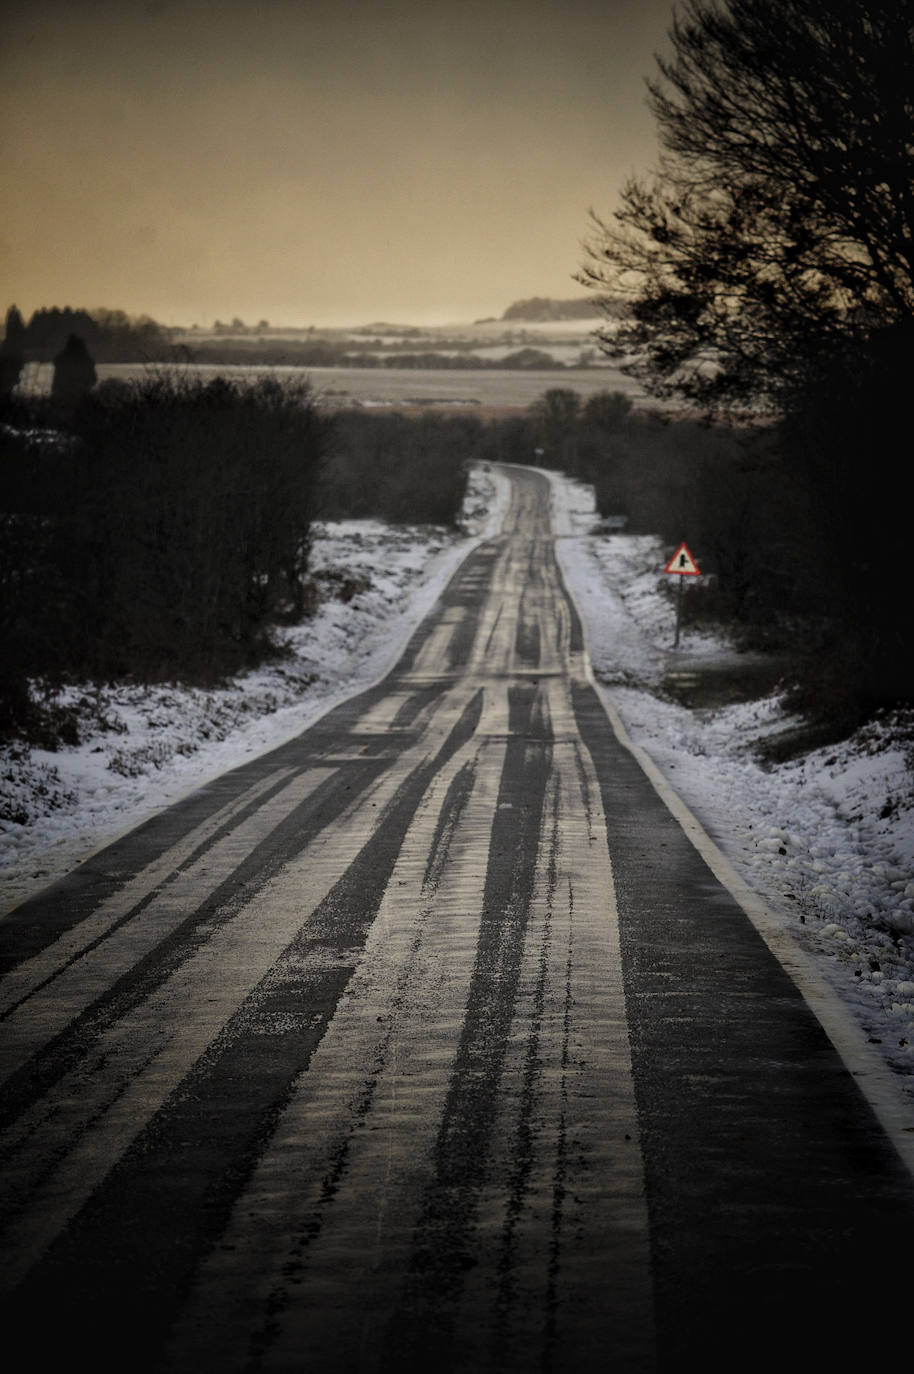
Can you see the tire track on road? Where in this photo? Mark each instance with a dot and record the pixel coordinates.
(368, 1096)
(153, 1156)
(443, 1247)
(360, 1124)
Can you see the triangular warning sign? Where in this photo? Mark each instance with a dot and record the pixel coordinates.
(683, 563)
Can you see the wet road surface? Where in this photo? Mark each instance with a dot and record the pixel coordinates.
(429, 1041)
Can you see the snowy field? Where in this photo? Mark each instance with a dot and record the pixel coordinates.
(496, 388)
(826, 842)
(389, 386)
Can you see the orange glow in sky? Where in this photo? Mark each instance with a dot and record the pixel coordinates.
(325, 162)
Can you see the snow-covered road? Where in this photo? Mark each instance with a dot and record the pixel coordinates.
(827, 840)
(441, 1035)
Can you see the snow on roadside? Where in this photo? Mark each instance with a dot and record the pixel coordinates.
(827, 839)
(141, 748)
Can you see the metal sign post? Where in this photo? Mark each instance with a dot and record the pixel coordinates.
(681, 565)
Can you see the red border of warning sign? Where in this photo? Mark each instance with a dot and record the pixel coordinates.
(693, 571)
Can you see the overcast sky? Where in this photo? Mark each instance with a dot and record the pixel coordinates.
(314, 161)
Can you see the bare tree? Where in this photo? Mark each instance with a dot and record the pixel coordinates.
(770, 259)
(778, 232)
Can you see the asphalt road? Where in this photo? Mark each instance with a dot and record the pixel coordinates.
(430, 1041)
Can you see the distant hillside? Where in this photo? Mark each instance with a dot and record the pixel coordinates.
(541, 309)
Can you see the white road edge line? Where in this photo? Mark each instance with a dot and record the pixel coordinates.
(861, 1061)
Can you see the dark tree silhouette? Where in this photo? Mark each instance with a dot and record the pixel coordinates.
(778, 232)
(556, 415)
(110, 335)
(12, 352)
(771, 260)
(74, 372)
(14, 334)
(607, 410)
(160, 529)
